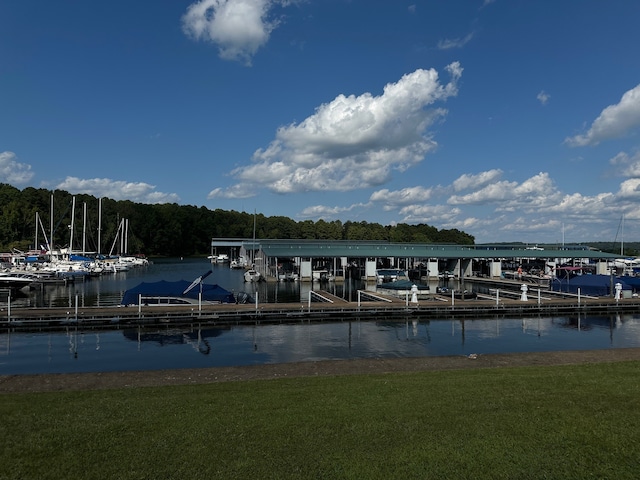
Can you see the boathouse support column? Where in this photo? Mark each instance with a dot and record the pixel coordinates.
(465, 267)
(370, 269)
(432, 266)
(306, 275)
(495, 269)
(602, 268)
(454, 266)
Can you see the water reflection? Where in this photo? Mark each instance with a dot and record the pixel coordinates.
(195, 346)
(195, 336)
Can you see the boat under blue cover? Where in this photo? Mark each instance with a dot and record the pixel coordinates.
(176, 290)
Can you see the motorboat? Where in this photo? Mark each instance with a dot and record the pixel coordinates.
(252, 276)
(288, 276)
(16, 280)
(323, 276)
(238, 263)
(386, 275)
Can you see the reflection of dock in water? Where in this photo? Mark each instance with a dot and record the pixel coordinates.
(196, 336)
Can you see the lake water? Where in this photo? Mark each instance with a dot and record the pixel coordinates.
(121, 349)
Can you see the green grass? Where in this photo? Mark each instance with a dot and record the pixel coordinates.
(563, 422)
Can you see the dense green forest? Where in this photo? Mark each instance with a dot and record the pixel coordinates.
(171, 229)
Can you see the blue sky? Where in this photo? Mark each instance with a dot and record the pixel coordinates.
(512, 120)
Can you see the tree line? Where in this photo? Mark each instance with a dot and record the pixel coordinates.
(170, 229)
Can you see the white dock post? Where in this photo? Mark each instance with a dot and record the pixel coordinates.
(9, 307)
(578, 296)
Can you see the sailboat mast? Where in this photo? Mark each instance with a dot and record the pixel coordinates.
(622, 236)
(51, 234)
(99, 222)
(35, 244)
(84, 228)
(73, 215)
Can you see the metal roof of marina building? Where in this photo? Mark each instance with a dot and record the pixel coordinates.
(378, 249)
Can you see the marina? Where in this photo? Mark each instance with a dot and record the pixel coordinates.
(83, 325)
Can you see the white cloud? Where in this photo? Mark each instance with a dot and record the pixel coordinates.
(543, 97)
(405, 196)
(630, 189)
(582, 206)
(448, 44)
(12, 171)
(235, 191)
(626, 165)
(496, 192)
(526, 224)
(354, 142)
(324, 211)
(117, 190)
(613, 122)
(431, 214)
(479, 180)
(237, 27)
(535, 192)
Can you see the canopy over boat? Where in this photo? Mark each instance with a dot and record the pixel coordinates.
(179, 290)
(596, 285)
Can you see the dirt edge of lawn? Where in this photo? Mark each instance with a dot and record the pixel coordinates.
(155, 378)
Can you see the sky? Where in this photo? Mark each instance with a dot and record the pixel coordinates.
(511, 120)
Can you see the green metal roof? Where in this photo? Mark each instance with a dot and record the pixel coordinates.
(362, 249)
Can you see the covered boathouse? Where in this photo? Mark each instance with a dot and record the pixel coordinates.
(345, 259)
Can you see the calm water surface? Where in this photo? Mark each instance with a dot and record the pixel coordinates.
(75, 350)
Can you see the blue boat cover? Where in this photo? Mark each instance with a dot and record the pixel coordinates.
(210, 293)
(596, 285)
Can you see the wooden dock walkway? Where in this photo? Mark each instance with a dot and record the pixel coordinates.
(371, 306)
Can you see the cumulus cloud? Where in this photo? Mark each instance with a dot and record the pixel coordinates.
(627, 165)
(12, 171)
(405, 196)
(431, 214)
(117, 190)
(237, 27)
(614, 121)
(630, 189)
(478, 180)
(496, 192)
(354, 142)
(530, 193)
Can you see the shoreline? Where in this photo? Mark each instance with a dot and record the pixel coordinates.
(66, 382)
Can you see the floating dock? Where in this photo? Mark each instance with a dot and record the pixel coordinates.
(321, 306)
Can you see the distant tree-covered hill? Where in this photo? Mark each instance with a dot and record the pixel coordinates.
(171, 229)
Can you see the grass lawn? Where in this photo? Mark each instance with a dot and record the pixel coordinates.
(560, 422)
